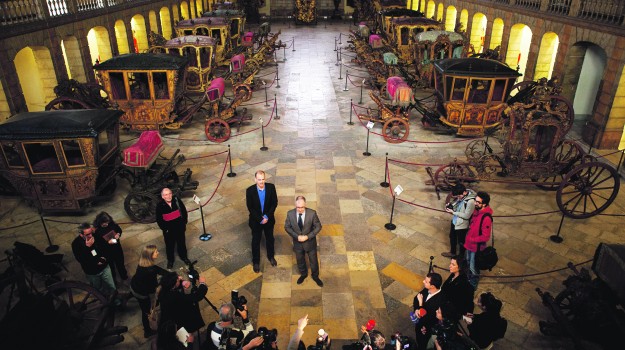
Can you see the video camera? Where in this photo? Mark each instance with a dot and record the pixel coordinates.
(269, 336)
(403, 341)
(192, 273)
(237, 300)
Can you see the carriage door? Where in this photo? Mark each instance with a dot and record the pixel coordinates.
(476, 103)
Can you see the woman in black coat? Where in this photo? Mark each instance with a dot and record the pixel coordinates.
(144, 282)
(457, 288)
(489, 325)
(107, 229)
(179, 306)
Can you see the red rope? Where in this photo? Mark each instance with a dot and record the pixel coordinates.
(361, 85)
(218, 183)
(20, 225)
(207, 156)
(410, 163)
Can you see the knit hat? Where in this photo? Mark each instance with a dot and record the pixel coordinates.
(370, 325)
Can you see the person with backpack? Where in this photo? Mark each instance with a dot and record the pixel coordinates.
(479, 234)
(461, 207)
(488, 326)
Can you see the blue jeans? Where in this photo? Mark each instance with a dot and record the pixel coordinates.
(474, 273)
(103, 281)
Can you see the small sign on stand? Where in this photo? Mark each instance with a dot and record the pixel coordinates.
(204, 236)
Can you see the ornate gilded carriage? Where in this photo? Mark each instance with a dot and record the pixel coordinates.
(402, 30)
(305, 12)
(60, 161)
(434, 45)
(237, 23)
(218, 28)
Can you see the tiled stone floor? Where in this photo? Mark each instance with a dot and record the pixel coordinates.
(368, 271)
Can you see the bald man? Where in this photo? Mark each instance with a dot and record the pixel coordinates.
(172, 217)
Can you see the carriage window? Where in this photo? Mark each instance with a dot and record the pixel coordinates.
(234, 27)
(459, 85)
(161, 90)
(216, 34)
(73, 154)
(104, 142)
(118, 88)
(498, 91)
(139, 85)
(175, 52)
(190, 53)
(405, 33)
(479, 91)
(42, 157)
(205, 57)
(201, 31)
(187, 32)
(439, 83)
(457, 53)
(12, 156)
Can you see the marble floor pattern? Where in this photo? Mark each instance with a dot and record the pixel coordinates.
(369, 272)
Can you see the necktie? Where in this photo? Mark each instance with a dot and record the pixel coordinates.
(300, 223)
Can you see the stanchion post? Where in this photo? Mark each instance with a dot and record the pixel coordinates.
(361, 85)
(340, 35)
(265, 86)
(337, 58)
(335, 45)
(390, 225)
(262, 130)
(340, 70)
(366, 152)
(277, 76)
(293, 44)
(284, 52)
(351, 110)
(231, 173)
(205, 236)
(275, 103)
(51, 247)
(557, 238)
(431, 268)
(385, 183)
(340, 55)
(346, 79)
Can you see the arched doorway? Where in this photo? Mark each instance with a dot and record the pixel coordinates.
(99, 44)
(478, 30)
(140, 36)
(464, 19)
(5, 111)
(450, 18)
(496, 34)
(519, 47)
(199, 8)
(439, 12)
(184, 10)
(122, 38)
(37, 77)
(546, 55)
(165, 22)
(176, 14)
(153, 24)
(73, 59)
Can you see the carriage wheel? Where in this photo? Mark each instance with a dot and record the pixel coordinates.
(63, 103)
(83, 305)
(567, 156)
(520, 87)
(396, 130)
(217, 130)
(587, 190)
(141, 207)
(244, 90)
(384, 92)
(449, 175)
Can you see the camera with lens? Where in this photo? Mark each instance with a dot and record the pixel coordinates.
(269, 336)
(445, 332)
(237, 300)
(403, 340)
(449, 206)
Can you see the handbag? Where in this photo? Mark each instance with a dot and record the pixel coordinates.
(487, 258)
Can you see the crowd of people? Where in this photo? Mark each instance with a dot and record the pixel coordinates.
(442, 311)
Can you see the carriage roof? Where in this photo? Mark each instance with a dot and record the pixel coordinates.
(195, 40)
(204, 21)
(414, 21)
(432, 35)
(477, 67)
(392, 3)
(401, 12)
(224, 13)
(143, 61)
(73, 123)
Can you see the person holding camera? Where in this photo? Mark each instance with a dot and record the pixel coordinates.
(264, 339)
(461, 207)
(303, 225)
(222, 334)
(110, 231)
(89, 250)
(179, 301)
(172, 218)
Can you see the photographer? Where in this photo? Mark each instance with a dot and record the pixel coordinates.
(222, 335)
(264, 339)
(179, 301)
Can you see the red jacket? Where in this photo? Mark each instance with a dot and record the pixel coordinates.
(473, 235)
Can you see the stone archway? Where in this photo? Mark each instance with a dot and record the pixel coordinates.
(519, 47)
(431, 9)
(165, 22)
(5, 110)
(36, 75)
(450, 18)
(122, 38)
(139, 33)
(464, 20)
(583, 71)
(546, 55)
(184, 10)
(439, 12)
(99, 44)
(73, 59)
(496, 34)
(153, 23)
(478, 30)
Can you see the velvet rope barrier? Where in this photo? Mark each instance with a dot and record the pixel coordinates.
(18, 226)
(208, 155)
(350, 80)
(526, 275)
(223, 171)
(411, 141)
(356, 69)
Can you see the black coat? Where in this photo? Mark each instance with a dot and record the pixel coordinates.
(176, 225)
(144, 282)
(459, 292)
(253, 205)
(111, 249)
(430, 307)
(487, 327)
(85, 256)
(182, 308)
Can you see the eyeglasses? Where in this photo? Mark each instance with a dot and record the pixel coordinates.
(476, 202)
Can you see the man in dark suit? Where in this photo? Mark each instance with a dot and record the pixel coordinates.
(429, 299)
(303, 225)
(262, 201)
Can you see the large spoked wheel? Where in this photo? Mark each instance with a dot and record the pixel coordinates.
(141, 207)
(217, 130)
(82, 305)
(587, 190)
(521, 91)
(449, 175)
(396, 130)
(244, 90)
(567, 156)
(562, 104)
